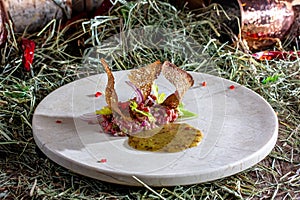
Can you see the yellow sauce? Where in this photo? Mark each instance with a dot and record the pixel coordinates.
(173, 137)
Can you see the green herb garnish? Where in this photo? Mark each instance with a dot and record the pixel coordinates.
(184, 113)
(160, 97)
(104, 111)
(134, 107)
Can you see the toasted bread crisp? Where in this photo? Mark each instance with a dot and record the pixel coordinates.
(144, 77)
(178, 77)
(110, 93)
(111, 96)
(171, 101)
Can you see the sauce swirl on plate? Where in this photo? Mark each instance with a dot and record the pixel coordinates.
(172, 137)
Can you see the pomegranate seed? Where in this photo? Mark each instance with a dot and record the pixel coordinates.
(231, 87)
(153, 97)
(103, 160)
(169, 112)
(98, 94)
(146, 109)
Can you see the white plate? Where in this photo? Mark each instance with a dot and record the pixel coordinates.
(240, 128)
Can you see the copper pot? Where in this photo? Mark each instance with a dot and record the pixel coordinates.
(266, 18)
(263, 19)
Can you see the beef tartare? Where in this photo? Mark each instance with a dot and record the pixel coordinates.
(148, 109)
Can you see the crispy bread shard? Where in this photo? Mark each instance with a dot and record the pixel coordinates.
(111, 96)
(110, 93)
(178, 77)
(171, 101)
(144, 77)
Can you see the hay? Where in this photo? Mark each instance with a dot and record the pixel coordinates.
(64, 53)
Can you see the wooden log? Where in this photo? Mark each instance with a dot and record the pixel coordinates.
(3, 21)
(32, 15)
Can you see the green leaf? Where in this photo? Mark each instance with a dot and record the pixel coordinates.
(184, 113)
(104, 111)
(160, 97)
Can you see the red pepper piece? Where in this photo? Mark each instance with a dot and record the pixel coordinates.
(259, 35)
(28, 47)
(282, 55)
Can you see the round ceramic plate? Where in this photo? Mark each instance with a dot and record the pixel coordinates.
(240, 128)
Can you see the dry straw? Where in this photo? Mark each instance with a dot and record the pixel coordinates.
(63, 53)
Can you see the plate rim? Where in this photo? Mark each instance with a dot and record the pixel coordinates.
(271, 143)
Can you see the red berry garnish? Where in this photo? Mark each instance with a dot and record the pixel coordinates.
(98, 94)
(103, 160)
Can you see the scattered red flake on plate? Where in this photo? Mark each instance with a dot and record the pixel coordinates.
(98, 94)
(204, 83)
(103, 160)
(231, 87)
(58, 121)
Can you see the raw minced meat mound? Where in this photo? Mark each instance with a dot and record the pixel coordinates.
(136, 117)
(147, 110)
